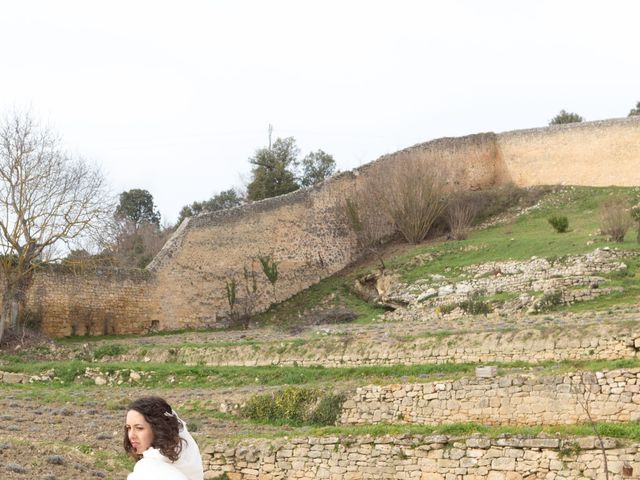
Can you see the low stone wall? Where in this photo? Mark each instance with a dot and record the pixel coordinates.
(612, 396)
(419, 457)
(530, 345)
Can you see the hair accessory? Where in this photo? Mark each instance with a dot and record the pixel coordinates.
(167, 414)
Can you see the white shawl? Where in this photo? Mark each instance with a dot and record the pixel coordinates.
(190, 460)
(155, 466)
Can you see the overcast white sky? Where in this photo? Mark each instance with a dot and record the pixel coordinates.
(175, 96)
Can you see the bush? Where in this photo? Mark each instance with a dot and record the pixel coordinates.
(294, 405)
(635, 215)
(549, 301)
(489, 203)
(112, 350)
(328, 410)
(560, 223)
(476, 306)
(446, 308)
(460, 214)
(413, 199)
(407, 195)
(615, 219)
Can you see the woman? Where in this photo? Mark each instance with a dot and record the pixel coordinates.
(158, 439)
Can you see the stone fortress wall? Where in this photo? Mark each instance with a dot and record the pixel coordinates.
(305, 231)
(94, 301)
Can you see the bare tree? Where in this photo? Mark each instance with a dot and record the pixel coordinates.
(362, 214)
(46, 199)
(460, 214)
(408, 193)
(413, 196)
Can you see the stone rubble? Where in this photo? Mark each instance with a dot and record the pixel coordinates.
(575, 278)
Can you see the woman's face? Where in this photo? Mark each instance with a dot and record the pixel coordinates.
(139, 431)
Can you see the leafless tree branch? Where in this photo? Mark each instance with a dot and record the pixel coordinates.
(46, 199)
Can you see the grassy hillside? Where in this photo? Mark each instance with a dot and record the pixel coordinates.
(520, 232)
(102, 374)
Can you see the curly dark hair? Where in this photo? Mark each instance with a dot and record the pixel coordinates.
(165, 428)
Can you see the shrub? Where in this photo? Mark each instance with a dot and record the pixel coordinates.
(460, 214)
(446, 308)
(476, 306)
(294, 405)
(328, 410)
(362, 216)
(560, 223)
(260, 407)
(108, 351)
(615, 219)
(488, 203)
(413, 199)
(405, 196)
(293, 402)
(635, 215)
(549, 301)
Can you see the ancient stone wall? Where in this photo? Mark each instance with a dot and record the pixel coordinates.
(63, 302)
(306, 234)
(306, 231)
(598, 153)
(421, 457)
(612, 396)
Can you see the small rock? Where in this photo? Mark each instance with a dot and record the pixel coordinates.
(15, 468)
(432, 292)
(55, 459)
(100, 381)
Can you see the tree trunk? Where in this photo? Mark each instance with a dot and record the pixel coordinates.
(9, 317)
(15, 309)
(5, 315)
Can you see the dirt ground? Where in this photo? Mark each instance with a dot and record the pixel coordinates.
(79, 434)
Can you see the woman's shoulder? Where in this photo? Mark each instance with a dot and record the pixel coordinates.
(153, 467)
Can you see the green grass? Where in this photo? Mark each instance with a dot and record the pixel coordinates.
(172, 375)
(332, 292)
(628, 279)
(528, 235)
(623, 431)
